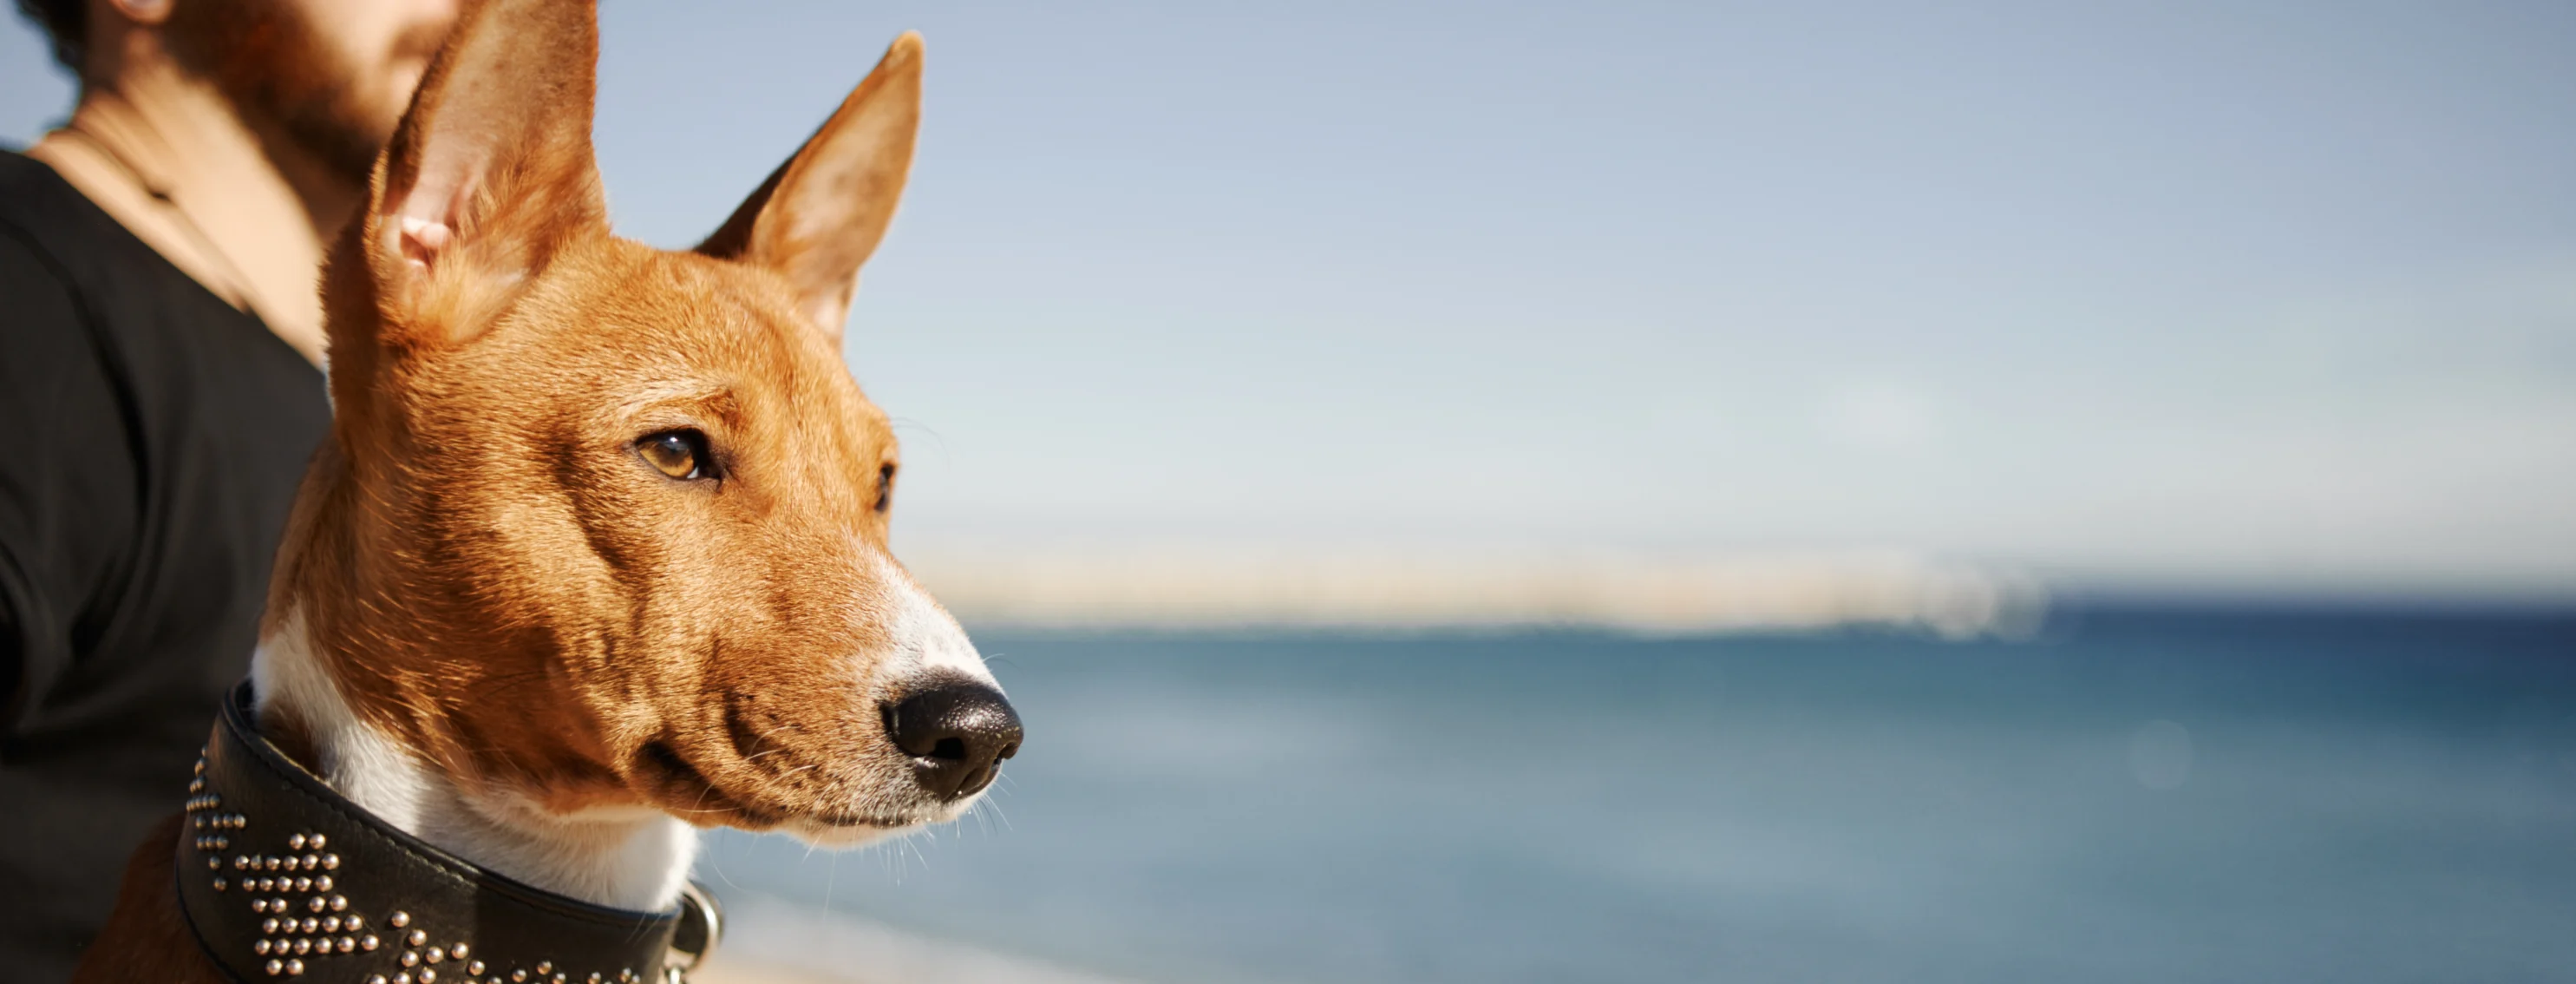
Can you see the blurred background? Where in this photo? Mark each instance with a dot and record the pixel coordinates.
(1647, 492)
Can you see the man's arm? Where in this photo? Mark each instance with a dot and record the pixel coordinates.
(68, 482)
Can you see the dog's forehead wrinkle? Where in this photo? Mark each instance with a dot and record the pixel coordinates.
(570, 293)
(716, 399)
(745, 300)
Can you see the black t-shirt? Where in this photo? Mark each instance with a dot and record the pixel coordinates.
(151, 439)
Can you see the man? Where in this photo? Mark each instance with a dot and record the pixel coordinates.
(159, 387)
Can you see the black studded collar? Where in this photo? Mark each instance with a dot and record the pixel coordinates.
(281, 877)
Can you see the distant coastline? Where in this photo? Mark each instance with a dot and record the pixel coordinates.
(1206, 589)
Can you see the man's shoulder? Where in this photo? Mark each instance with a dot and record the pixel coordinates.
(80, 284)
(45, 333)
(16, 169)
(31, 193)
(48, 214)
(54, 233)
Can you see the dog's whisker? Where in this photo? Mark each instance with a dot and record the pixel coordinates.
(717, 863)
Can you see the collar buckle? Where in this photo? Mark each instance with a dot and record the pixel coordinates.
(694, 939)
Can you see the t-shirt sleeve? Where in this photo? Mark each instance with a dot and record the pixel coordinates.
(68, 482)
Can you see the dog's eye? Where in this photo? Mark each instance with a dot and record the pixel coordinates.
(679, 454)
(885, 487)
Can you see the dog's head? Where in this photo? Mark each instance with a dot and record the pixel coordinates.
(604, 526)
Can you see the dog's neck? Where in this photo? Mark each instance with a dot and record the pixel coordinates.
(633, 858)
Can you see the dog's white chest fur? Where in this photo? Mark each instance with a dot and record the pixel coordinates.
(631, 858)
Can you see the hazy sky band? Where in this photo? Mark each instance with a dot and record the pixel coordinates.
(2273, 296)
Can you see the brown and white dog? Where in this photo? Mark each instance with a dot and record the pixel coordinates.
(596, 551)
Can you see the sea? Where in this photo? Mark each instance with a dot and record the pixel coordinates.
(2135, 793)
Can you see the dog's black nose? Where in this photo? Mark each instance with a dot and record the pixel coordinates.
(957, 733)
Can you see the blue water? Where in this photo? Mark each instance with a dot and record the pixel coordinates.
(2137, 796)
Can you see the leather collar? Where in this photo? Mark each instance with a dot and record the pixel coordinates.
(282, 877)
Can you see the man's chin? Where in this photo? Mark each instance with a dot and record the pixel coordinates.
(285, 79)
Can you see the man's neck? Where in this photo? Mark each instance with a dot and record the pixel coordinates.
(168, 157)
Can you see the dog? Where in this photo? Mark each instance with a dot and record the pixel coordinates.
(595, 555)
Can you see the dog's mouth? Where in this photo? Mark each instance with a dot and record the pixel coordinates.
(763, 760)
(683, 789)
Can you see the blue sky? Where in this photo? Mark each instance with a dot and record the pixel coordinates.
(2262, 297)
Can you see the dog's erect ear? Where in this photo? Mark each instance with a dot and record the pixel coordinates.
(491, 172)
(820, 214)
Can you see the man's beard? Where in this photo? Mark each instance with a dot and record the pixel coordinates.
(265, 58)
